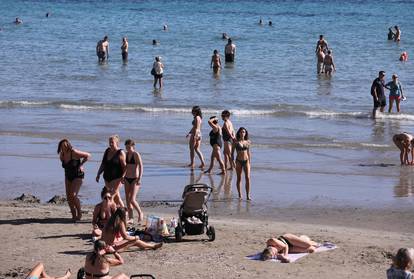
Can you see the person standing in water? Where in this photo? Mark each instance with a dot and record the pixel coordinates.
(124, 49)
(229, 51)
(228, 137)
(405, 143)
(397, 36)
(216, 143)
(328, 64)
(195, 137)
(157, 71)
(396, 93)
(132, 180)
(72, 161)
(378, 95)
(319, 64)
(323, 44)
(390, 34)
(215, 62)
(102, 49)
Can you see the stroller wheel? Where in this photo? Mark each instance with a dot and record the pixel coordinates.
(178, 233)
(211, 233)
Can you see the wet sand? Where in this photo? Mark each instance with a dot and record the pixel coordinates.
(366, 239)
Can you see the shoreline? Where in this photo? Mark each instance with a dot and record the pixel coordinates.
(366, 239)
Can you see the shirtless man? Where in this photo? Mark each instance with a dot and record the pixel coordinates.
(328, 63)
(397, 35)
(229, 51)
(102, 49)
(124, 49)
(215, 62)
(322, 43)
(321, 56)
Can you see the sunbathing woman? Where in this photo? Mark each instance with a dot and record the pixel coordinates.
(102, 212)
(97, 264)
(279, 248)
(38, 272)
(195, 137)
(132, 180)
(115, 234)
(72, 161)
(216, 143)
(113, 167)
(242, 146)
(404, 142)
(228, 136)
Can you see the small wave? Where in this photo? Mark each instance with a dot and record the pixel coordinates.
(331, 114)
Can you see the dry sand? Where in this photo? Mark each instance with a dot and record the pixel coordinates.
(366, 238)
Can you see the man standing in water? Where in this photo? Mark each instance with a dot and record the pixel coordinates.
(322, 43)
(102, 49)
(229, 51)
(320, 56)
(377, 92)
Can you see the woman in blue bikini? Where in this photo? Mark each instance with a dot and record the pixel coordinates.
(242, 147)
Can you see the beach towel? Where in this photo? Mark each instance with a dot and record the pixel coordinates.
(326, 246)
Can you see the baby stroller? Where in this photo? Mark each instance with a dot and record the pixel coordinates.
(192, 215)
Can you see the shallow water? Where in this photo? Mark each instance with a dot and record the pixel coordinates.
(307, 130)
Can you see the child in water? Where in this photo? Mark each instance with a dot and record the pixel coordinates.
(402, 263)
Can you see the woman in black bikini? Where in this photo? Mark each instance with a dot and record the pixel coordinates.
(102, 212)
(113, 167)
(216, 143)
(72, 161)
(228, 137)
(242, 147)
(132, 180)
(279, 248)
(97, 264)
(195, 137)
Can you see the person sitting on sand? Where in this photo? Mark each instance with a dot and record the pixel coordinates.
(115, 234)
(38, 272)
(102, 212)
(97, 264)
(280, 247)
(242, 147)
(404, 142)
(216, 143)
(402, 263)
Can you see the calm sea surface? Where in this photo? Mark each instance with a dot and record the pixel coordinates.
(312, 134)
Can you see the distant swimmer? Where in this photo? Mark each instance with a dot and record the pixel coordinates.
(396, 93)
(405, 143)
(270, 23)
(403, 56)
(165, 27)
(229, 51)
(155, 42)
(18, 21)
(377, 92)
(319, 64)
(322, 43)
(102, 49)
(260, 21)
(124, 49)
(397, 36)
(224, 36)
(328, 64)
(48, 14)
(391, 34)
(215, 61)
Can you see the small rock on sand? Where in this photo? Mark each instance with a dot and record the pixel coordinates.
(27, 198)
(59, 200)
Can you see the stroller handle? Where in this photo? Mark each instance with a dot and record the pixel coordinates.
(196, 186)
(142, 276)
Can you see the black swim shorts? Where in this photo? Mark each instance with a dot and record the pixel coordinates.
(382, 102)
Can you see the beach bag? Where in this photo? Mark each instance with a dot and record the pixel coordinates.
(81, 273)
(153, 72)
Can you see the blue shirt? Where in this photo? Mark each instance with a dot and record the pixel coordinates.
(395, 89)
(393, 273)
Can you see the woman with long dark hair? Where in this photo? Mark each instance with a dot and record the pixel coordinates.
(115, 234)
(216, 143)
(243, 158)
(72, 161)
(195, 137)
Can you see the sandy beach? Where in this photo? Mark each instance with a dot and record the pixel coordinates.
(366, 238)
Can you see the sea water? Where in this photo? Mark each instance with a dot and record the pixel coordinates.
(313, 139)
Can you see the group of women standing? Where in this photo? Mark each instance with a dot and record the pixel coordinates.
(222, 137)
(118, 167)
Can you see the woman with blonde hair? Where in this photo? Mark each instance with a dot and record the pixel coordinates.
(72, 161)
(113, 167)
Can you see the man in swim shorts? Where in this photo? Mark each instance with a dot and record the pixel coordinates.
(229, 51)
(377, 92)
(323, 44)
(102, 49)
